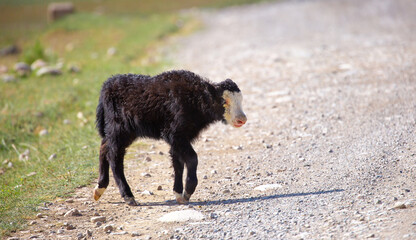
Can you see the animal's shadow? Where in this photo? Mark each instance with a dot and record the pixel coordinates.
(239, 200)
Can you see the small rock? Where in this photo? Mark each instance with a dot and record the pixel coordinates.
(148, 159)
(53, 71)
(399, 205)
(88, 233)
(182, 216)
(22, 68)
(67, 121)
(226, 191)
(60, 231)
(135, 234)
(268, 187)
(40, 215)
(74, 69)
(31, 174)
(146, 175)
(377, 201)
(43, 132)
(213, 215)
(69, 200)
(32, 223)
(9, 164)
(98, 219)
(214, 171)
(414, 223)
(111, 51)
(252, 233)
(73, 212)
(98, 224)
(53, 156)
(33, 237)
(371, 235)
(146, 192)
(9, 50)
(38, 64)
(159, 188)
(108, 228)
(8, 78)
(13, 238)
(80, 236)
(119, 233)
(69, 226)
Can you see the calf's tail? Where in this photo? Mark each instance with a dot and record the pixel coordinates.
(100, 122)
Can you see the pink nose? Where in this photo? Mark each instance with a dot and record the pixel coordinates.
(241, 122)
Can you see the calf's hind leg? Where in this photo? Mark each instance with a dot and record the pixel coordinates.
(116, 159)
(103, 179)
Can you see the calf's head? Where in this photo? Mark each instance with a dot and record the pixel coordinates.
(233, 110)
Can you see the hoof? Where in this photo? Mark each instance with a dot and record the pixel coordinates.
(130, 201)
(97, 192)
(186, 196)
(181, 199)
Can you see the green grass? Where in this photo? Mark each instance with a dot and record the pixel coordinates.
(35, 103)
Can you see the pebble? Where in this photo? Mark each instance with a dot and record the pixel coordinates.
(111, 51)
(135, 234)
(146, 175)
(8, 78)
(268, 187)
(69, 201)
(88, 233)
(43, 132)
(80, 236)
(67, 121)
(399, 205)
(98, 219)
(13, 238)
(53, 71)
(74, 69)
(39, 63)
(69, 226)
(159, 188)
(73, 212)
(182, 216)
(53, 156)
(60, 231)
(22, 68)
(40, 215)
(119, 233)
(147, 192)
(148, 159)
(108, 228)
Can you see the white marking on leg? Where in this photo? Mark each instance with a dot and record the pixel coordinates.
(97, 192)
(179, 198)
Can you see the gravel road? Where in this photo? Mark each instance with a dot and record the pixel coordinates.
(328, 151)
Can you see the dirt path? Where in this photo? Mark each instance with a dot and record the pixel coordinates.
(330, 94)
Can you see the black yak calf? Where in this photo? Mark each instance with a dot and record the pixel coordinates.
(174, 106)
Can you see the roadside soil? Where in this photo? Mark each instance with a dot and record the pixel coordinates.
(330, 94)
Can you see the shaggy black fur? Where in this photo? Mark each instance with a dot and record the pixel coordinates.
(174, 106)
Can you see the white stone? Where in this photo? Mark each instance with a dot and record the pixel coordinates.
(182, 216)
(268, 187)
